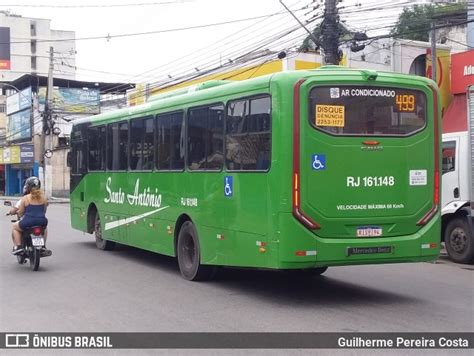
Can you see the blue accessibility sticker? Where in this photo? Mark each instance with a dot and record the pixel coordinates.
(318, 162)
(228, 186)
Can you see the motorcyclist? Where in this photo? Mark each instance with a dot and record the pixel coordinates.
(32, 208)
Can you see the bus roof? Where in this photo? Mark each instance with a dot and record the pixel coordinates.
(218, 88)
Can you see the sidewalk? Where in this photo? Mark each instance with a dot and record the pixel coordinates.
(52, 200)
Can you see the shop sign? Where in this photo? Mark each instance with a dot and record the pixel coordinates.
(72, 100)
(19, 126)
(27, 154)
(462, 71)
(19, 101)
(17, 154)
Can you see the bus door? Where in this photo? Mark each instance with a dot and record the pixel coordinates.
(366, 160)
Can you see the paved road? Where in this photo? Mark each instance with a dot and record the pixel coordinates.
(81, 288)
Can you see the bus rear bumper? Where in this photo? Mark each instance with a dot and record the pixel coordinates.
(300, 248)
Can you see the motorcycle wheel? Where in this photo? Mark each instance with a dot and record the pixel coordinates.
(35, 256)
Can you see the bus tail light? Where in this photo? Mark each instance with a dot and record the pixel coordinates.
(297, 213)
(305, 253)
(435, 207)
(371, 143)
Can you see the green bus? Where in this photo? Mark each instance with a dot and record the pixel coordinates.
(297, 170)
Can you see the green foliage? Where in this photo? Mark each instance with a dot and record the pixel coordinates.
(414, 23)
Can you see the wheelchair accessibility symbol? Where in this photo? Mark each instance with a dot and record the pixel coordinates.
(228, 186)
(318, 162)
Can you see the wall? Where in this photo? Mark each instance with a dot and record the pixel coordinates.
(61, 172)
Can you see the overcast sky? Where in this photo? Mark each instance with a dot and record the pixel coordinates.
(158, 55)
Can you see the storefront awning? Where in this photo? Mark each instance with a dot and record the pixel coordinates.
(455, 116)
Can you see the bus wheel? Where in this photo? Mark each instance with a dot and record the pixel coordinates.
(318, 270)
(189, 255)
(307, 272)
(459, 242)
(99, 241)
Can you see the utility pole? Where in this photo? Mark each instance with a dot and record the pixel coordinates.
(434, 60)
(46, 135)
(330, 32)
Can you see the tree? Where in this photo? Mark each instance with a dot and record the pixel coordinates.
(414, 23)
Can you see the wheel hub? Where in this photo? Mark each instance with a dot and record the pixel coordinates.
(458, 240)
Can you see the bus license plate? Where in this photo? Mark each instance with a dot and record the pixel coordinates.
(368, 250)
(37, 241)
(369, 231)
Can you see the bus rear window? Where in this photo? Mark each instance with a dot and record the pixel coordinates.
(367, 110)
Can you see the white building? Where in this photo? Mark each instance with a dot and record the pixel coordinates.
(30, 41)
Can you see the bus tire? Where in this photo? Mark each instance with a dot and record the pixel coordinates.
(189, 255)
(101, 243)
(318, 270)
(459, 241)
(307, 272)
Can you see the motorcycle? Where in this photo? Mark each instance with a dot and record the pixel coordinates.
(32, 242)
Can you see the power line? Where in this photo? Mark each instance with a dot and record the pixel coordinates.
(236, 63)
(247, 67)
(460, 43)
(109, 36)
(96, 5)
(228, 42)
(231, 42)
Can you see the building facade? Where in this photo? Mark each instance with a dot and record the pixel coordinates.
(22, 154)
(25, 45)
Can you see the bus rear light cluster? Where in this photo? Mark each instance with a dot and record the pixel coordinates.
(435, 207)
(296, 192)
(371, 143)
(305, 253)
(297, 213)
(429, 246)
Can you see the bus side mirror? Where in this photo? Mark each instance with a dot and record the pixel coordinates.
(68, 159)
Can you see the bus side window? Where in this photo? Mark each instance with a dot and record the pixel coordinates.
(123, 146)
(148, 150)
(78, 161)
(141, 143)
(96, 151)
(248, 134)
(197, 132)
(117, 146)
(205, 133)
(136, 144)
(169, 141)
